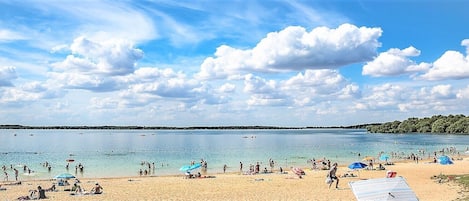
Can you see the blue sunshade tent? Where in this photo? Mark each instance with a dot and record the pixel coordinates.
(382, 189)
(186, 168)
(65, 176)
(445, 160)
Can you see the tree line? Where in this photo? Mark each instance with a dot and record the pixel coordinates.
(451, 124)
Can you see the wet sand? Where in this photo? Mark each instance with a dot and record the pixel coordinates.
(272, 186)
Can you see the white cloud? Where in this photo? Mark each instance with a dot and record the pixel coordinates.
(385, 96)
(28, 92)
(101, 20)
(7, 75)
(394, 62)
(103, 103)
(295, 49)
(317, 85)
(442, 91)
(303, 89)
(227, 88)
(451, 65)
(96, 66)
(263, 92)
(7, 35)
(463, 93)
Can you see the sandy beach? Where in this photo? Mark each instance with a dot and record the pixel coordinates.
(272, 186)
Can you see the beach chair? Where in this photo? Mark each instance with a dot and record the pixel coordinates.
(391, 174)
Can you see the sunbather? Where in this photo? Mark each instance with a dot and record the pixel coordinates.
(97, 189)
(52, 188)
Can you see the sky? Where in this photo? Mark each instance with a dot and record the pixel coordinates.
(228, 62)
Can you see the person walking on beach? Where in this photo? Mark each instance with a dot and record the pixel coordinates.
(332, 176)
(224, 168)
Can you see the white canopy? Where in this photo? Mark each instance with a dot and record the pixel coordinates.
(382, 189)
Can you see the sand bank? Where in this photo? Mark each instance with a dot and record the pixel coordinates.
(234, 186)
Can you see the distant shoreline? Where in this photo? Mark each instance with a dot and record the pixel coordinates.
(176, 128)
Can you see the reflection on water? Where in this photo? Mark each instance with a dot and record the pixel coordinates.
(106, 153)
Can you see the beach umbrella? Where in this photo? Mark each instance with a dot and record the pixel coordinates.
(384, 157)
(357, 166)
(186, 168)
(64, 176)
(445, 160)
(368, 158)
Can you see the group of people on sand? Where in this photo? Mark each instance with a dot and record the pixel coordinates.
(40, 193)
(78, 190)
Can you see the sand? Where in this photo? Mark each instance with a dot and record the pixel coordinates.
(273, 186)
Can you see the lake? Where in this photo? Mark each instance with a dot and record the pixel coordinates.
(117, 153)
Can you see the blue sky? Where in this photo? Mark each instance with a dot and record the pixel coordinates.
(208, 63)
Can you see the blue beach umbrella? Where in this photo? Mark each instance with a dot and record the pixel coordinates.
(357, 165)
(64, 176)
(384, 157)
(186, 168)
(445, 160)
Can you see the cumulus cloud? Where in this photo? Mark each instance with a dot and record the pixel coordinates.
(227, 88)
(442, 91)
(385, 96)
(263, 92)
(295, 49)
(28, 92)
(164, 83)
(308, 88)
(463, 93)
(7, 75)
(394, 62)
(112, 57)
(319, 84)
(451, 65)
(96, 66)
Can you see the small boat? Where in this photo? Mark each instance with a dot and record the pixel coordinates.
(70, 160)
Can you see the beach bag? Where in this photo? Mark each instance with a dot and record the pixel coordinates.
(328, 180)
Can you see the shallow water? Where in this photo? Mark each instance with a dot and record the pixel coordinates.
(115, 153)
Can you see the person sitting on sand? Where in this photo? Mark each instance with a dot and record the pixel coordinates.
(41, 193)
(97, 189)
(189, 175)
(381, 167)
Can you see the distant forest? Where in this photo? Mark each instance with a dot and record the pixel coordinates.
(451, 124)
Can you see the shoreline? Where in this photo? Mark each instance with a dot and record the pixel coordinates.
(272, 186)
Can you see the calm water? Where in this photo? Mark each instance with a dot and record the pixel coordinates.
(111, 153)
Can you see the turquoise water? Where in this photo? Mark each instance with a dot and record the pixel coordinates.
(114, 153)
